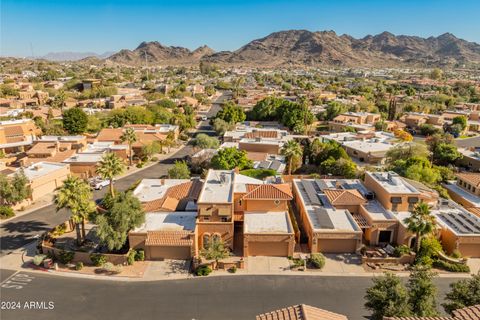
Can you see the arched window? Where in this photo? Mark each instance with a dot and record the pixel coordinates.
(206, 240)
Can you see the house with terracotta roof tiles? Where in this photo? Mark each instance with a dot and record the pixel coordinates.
(301, 312)
(467, 313)
(17, 135)
(183, 216)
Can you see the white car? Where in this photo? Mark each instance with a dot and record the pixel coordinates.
(204, 118)
(98, 184)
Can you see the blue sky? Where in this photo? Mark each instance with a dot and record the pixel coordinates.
(99, 26)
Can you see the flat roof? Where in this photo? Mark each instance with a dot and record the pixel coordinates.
(40, 169)
(218, 187)
(470, 197)
(392, 182)
(458, 220)
(269, 222)
(84, 158)
(368, 145)
(152, 189)
(377, 211)
(168, 221)
(241, 181)
(321, 214)
(62, 138)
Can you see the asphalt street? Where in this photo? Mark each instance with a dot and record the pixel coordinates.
(24, 229)
(224, 297)
(468, 142)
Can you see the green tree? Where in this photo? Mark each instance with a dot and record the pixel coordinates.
(436, 74)
(221, 126)
(334, 109)
(445, 154)
(421, 222)
(130, 137)
(387, 297)
(203, 141)
(339, 167)
(460, 120)
(59, 100)
(109, 167)
(151, 149)
(75, 121)
(215, 250)
(14, 190)
(293, 152)
(422, 292)
(405, 151)
(76, 195)
(230, 158)
(124, 213)
(265, 109)
(179, 170)
(231, 113)
(464, 293)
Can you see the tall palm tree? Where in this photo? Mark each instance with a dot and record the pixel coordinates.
(130, 137)
(109, 167)
(76, 195)
(420, 222)
(293, 151)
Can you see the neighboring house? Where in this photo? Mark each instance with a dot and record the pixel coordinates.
(466, 190)
(84, 164)
(17, 135)
(44, 178)
(360, 121)
(460, 229)
(367, 147)
(146, 134)
(300, 312)
(470, 159)
(54, 149)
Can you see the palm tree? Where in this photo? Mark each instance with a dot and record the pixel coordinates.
(130, 137)
(420, 222)
(76, 195)
(109, 167)
(292, 151)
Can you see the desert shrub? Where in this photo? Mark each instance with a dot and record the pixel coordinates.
(203, 271)
(139, 165)
(38, 259)
(424, 261)
(317, 260)
(233, 269)
(6, 212)
(297, 262)
(154, 159)
(131, 257)
(452, 267)
(108, 266)
(140, 255)
(429, 247)
(79, 266)
(66, 257)
(98, 260)
(401, 250)
(59, 230)
(456, 254)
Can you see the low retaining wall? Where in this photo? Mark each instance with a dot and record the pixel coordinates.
(84, 257)
(405, 259)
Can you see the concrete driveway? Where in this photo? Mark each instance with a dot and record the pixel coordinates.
(167, 269)
(267, 265)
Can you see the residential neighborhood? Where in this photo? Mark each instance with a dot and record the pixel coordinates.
(301, 175)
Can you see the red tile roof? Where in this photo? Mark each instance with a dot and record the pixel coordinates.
(169, 238)
(344, 197)
(169, 202)
(261, 134)
(268, 192)
(470, 177)
(468, 313)
(301, 312)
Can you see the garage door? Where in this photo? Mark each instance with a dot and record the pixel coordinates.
(166, 252)
(336, 246)
(273, 249)
(471, 250)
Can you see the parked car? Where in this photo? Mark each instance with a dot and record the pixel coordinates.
(98, 183)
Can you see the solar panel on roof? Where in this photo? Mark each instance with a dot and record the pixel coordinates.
(324, 220)
(311, 193)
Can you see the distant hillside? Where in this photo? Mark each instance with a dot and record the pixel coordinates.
(302, 47)
(156, 53)
(73, 56)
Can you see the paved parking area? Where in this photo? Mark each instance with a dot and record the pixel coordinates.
(167, 269)
(267, 265)
(346, 263)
